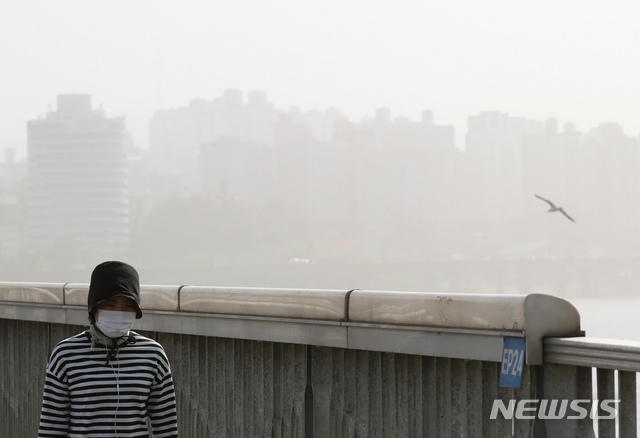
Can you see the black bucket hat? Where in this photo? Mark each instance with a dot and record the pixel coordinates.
(113, 279)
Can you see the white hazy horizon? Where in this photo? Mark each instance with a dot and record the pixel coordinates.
(576, 61)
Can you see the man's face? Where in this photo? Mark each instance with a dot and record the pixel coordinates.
(122, 304)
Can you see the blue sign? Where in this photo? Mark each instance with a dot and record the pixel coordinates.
(512, 362)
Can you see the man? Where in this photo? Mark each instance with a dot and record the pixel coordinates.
(109, 380)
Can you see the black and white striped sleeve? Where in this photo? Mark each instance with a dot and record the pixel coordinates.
(54, 417)
(162, 402)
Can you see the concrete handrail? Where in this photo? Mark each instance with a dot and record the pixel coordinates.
(470, 326)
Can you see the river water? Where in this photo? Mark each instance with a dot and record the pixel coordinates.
(615, 318)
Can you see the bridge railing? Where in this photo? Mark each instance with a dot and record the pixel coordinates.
(597, 370)
(318, 363)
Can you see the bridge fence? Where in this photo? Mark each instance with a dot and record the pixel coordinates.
(323, 363)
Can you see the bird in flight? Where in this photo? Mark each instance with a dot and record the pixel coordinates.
(554, 208)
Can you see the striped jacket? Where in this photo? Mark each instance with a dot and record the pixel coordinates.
(86, 395)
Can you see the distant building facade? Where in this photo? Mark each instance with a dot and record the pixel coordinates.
(238, 170)
(177, 136)
(78, 195)
(13, 176)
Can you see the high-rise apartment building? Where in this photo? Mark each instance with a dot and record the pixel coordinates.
(239, 170)
(12, 226)
(494, 143)
(176, 137)
(78, 182)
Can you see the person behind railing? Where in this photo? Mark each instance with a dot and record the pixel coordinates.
(109, 380)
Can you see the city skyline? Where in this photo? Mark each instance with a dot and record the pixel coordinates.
(459, 135)
(258, 189)
(573, 61)
(393, 171)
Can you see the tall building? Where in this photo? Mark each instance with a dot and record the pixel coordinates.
(494, 142)
(78, 182)
(239, 170)
(176, 136)
(12, 207)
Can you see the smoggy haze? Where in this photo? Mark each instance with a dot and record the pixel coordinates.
(576, 61)
(527, 98)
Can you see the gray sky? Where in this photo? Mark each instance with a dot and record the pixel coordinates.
(576, 60)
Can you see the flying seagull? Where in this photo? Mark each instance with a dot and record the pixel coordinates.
(554, 208)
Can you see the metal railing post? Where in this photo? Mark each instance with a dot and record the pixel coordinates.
(627, 414)
(606, 391)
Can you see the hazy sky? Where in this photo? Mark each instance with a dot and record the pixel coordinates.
(576, 60)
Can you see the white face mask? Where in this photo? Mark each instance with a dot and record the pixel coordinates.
(114, 323)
